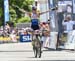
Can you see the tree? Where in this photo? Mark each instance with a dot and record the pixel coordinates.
(24, 19)
(15, 9)
(17, 5)
(1, 13)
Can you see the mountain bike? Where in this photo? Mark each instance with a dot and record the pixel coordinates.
(36, 44)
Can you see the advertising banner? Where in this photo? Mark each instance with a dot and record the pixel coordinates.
(6, 10)
(53, 40)
(52, 14)
(74, 6)
(25, 38)
(50, 42)
(70, 44)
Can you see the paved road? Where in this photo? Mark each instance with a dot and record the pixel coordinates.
(23, 52)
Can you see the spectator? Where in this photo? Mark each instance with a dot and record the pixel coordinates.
(45, 32)
(13, 36)
(7, 27)
(45, 28)
(68, 24)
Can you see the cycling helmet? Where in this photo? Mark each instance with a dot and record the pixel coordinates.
(34, 8)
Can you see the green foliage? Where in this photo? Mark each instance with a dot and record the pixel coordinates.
(16, 15)
(1, 13)
(14, 10)
(24, 19)
(12, 14)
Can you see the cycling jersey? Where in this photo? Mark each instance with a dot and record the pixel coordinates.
(34, 21)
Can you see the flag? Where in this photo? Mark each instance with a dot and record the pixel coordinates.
(6, 11)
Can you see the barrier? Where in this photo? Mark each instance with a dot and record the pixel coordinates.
(70, 44)
(51, 41)
(5, 39)
(25, 38)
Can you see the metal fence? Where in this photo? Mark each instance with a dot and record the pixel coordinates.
(22, 25)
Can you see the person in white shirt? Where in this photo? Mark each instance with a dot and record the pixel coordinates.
(68, 23)
(68, 28)
(13, 36)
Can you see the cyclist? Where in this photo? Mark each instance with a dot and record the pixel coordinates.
(34, 15)
(35, 18)
(35, 26)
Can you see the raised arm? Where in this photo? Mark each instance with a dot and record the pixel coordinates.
(55, 8)
(44, 12)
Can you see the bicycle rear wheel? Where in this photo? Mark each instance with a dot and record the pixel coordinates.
(39, 52)
(35, 52)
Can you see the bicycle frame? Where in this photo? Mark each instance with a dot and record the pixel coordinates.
(36, 45)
